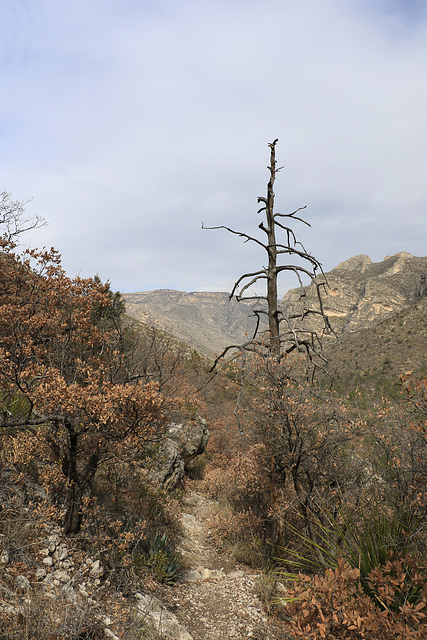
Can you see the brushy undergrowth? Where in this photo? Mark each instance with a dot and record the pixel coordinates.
(334, 605)
(366, 539)
(370, 578)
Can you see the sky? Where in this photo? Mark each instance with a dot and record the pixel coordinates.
(127, 123)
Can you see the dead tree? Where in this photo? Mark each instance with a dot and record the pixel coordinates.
(286, 331)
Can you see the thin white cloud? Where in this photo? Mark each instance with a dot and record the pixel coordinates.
(130, 122)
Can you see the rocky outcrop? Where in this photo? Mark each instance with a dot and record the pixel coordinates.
(359, 292)
(183, 443)
(166, 623)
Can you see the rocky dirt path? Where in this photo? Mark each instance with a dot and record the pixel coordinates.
(216, 600)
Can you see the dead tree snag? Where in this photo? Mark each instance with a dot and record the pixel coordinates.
(286, 331)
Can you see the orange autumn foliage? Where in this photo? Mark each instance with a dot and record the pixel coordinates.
(65, 375)
(334, 606)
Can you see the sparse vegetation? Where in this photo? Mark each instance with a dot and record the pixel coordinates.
(327, 485)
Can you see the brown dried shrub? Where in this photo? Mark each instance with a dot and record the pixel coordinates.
(335, 606)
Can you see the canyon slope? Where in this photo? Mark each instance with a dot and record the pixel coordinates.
(358, 294)
(205, 321)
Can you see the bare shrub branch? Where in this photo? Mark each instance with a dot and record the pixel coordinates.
(13, 220)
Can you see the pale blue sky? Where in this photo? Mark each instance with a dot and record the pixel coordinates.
(130, 121)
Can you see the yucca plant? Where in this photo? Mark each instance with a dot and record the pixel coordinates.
(370, 540)
(13, 407)
(163, 559)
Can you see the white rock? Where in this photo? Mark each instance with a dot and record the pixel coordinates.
(66, 564)
(236, 574)
(191, 576)
(40, 573)
(61, 575)
(165, 622)
(48, 561)
(83, 591)
(60, 554)
(22, 583)
(52, 542)
(217, 574)
(96, 570)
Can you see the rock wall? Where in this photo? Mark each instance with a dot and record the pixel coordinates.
(359, 292)
(183, 443)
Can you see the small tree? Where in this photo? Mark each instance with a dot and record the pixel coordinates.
(301, 432)
(65, 379)
(286, 333)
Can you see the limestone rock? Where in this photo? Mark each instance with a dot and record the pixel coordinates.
(4, 558)
(202, 573)
(192, 437)
(62, 576)
(169, 469)
(22, 583)
(40, 573)
(360, 292)
(183, 443)
(96, 570)
(53, 540)
(192, 575)
(165, 622)
(60, 553)
(235, 574)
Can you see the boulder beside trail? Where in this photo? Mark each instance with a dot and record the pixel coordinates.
(183, 443)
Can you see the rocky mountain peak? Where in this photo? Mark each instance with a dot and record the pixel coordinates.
(359, 291)
(357, 263)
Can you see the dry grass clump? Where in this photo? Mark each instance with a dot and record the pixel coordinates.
(39, 617)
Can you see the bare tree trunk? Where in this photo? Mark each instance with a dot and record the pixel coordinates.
(273, 315)
(77, 483)
(73, 509)
(286, 332)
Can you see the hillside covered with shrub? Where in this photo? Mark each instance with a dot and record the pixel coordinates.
(322, 493)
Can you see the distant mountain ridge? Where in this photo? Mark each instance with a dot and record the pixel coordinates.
(359, 294)
(206, 321)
